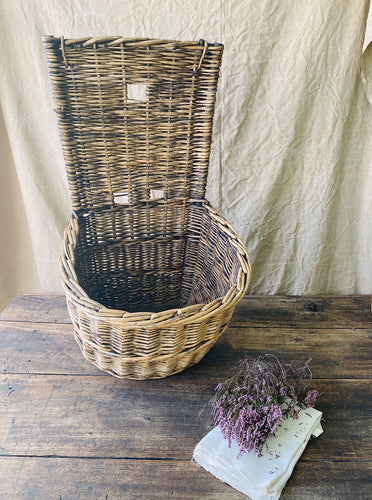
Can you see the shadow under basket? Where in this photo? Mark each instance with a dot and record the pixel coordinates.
(152, 272)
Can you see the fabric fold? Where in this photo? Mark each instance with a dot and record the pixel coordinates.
(262, 477)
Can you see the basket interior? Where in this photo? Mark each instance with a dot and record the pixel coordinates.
(136, 259)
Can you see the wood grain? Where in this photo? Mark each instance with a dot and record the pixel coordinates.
(41, 348)
(50, 348)
(70, 431)
(77, 478)
(324, 311)
(304, 312)
(41, 308)
(105, 417)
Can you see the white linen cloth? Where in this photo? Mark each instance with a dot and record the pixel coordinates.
(262, 477)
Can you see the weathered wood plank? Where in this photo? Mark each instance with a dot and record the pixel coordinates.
(48, 348)
(334, 353)
(107, 417)
(329, 480)
(279, 311)
(101, 416)
(74, 479)
(304, 312)
(37, 308)
(41, 348)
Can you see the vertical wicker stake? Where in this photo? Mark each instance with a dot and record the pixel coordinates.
(152, 272)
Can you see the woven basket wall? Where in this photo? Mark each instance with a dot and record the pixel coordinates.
(152, 272)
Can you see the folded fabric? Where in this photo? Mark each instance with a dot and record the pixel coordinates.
(262, 477)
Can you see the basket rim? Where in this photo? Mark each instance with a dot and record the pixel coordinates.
(177, 316)
(117, 40)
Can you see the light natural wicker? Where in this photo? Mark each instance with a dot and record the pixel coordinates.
(152, 272)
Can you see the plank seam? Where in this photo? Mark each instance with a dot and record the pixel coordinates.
(165, 459)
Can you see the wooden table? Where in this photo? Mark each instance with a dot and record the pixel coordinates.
(69, 431)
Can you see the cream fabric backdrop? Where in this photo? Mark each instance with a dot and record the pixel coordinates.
(291, 158)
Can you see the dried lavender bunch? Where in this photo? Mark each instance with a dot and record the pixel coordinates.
(249, 406)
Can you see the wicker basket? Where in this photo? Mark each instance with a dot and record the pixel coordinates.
(152, 272)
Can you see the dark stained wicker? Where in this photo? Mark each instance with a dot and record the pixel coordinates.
(152, 272)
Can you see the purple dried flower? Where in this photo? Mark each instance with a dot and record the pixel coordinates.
(310, 399)
(249, 406)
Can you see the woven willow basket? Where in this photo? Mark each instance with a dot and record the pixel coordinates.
(152, 272)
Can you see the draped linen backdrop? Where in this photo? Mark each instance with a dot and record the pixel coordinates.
(292, 146)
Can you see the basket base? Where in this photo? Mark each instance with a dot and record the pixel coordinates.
(143, 368)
